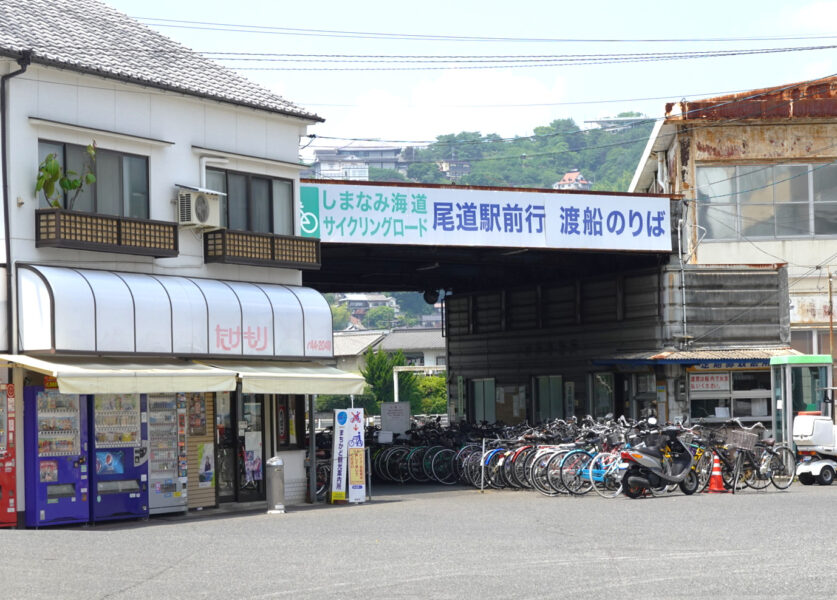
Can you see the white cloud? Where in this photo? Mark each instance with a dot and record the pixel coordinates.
(450, 102)
(816, 17)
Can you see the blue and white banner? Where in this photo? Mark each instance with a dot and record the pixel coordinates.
(431, 216)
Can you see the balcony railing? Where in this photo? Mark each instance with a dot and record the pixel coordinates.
(261, 249)
(58, 228)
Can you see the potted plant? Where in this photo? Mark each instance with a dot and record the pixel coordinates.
(54, 183)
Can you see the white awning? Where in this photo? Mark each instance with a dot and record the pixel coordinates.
(293, 378)
(105, 376)
(63, 310)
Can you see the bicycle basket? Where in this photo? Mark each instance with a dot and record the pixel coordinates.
(741, 439)
(615, 438)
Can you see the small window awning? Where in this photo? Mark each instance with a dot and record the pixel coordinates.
(106, 376)
(293, 378)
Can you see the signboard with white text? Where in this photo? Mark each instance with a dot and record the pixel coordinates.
(431, 216)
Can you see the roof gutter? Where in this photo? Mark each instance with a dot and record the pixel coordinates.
(24, 61)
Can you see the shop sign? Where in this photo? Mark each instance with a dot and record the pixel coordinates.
(338, 455)
(432, 216)
(357, 456)
(708, 382)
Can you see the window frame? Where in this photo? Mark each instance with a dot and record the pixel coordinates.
(735, 204)
(94, 188)
(250, 203)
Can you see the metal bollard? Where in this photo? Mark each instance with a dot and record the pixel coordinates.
(275, 485)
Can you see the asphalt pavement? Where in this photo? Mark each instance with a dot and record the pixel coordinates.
(438, 542)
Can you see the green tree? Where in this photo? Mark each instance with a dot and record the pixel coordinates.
(434, 395)
(376, 174)
(379, 317)
(378, 374)
(339, 317)
(426, 172)
(365, 401)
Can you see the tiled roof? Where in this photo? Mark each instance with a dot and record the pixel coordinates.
(88, 36)
(413, 339)
(742, 354)
(354, 344)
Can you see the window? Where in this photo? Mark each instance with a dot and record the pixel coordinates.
(725, 394)
(121, 187)
(767, 201)
(549, 398)
(253, 202)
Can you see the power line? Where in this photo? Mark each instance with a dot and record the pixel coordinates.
(242, 28)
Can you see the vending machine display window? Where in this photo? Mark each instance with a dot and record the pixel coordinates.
(117, 420)
(58, 424)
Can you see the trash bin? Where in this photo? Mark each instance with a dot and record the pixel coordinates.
(275, 485)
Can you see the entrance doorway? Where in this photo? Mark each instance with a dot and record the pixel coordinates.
(240, 438)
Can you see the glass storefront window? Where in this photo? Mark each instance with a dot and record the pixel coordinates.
(549, 398)
(603, 394)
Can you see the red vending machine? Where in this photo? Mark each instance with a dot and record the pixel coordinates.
(8, 497)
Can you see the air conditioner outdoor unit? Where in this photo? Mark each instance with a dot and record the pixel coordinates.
(198, 208)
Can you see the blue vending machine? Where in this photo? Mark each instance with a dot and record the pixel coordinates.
(57, 466)
(118, 456)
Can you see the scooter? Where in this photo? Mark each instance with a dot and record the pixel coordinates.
(655, 466)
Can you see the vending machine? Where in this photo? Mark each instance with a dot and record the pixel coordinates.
(8, 487)
(56, 460)
(167, 461)
(119, 457)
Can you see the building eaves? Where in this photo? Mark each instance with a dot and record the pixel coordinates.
(89, 37)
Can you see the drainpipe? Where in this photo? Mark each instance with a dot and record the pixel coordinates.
(209, 159)
(24, 61)
(682, 278)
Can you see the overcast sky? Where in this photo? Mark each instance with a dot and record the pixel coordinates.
(417, 105)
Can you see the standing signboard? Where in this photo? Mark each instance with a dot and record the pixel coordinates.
(339, 455)
(395, 417)
(357, 456)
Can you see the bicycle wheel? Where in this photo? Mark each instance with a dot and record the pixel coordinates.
(415, 465)
(605, 475)
(323, 479)
(520, 464)
(754, 470)
(703, 469)
(442, 467)
(782, 467)
(553, 473)
(494, 475)
(575, 472)
(538, 474)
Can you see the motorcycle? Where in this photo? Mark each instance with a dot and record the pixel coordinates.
(661, 461)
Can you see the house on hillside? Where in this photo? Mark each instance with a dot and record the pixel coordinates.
(359, 304)
(759, 181)
(187, 246)
(421, 347)
(572, 180)
(354, 161)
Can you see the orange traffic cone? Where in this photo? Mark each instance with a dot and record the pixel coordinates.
(716, 482)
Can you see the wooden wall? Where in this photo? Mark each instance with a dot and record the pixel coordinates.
(200, 497)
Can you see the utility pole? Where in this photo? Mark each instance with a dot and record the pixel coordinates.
(831, 342)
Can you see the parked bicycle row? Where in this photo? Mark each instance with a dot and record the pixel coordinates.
(609, 458)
